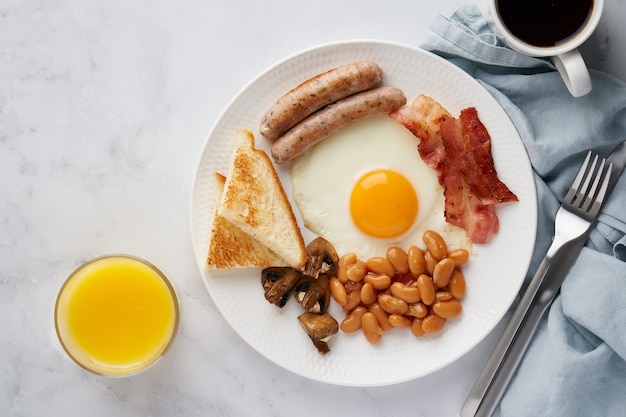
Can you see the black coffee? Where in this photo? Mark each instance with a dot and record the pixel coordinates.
(544, 22)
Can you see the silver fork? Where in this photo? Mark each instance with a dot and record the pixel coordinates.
(573, 222)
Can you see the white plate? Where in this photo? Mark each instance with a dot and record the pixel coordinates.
(494, 275)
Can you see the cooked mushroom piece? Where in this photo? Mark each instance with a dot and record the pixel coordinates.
(278, 282)
(322, 258)
(320, 328)
(313, 294)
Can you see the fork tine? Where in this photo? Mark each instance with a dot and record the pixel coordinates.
(584, 195)
(590, 195)
(583, 192)
(598, 201)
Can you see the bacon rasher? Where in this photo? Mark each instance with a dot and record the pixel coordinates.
(459, 149)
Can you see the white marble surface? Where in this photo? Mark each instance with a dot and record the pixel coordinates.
(104, 107)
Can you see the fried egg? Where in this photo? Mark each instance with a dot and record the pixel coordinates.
(365, 188)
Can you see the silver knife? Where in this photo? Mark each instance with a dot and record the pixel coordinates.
(485, 396)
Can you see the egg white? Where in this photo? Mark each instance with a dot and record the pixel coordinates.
(323, 178)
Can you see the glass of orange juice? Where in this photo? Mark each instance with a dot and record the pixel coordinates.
(116, 315)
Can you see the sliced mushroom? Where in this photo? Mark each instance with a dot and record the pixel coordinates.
(313, 294)
(320, 328)
(322, 258)
(278, 282)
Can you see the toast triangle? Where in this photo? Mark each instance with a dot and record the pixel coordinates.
(254, 201)
(229, 247)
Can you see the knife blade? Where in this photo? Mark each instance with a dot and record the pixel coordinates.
(618, 158)
(484, 399)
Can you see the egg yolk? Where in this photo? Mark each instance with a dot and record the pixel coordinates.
(383, 204)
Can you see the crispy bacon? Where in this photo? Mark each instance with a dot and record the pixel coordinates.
(468, 147)
(460, 151)
(464, 208)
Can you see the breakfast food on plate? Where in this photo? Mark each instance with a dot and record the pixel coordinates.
(310, 283)
(365, 188)
(320, 328)
(317, 92)
(254, 201)
(278, 283)
(325, 103)
(322, 258)
(372, 177)
(310, 287)
(420, 289)
(459, 149)
(313, 294)
(333, 117)
(229, 247)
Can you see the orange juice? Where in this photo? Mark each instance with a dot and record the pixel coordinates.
(116, 315)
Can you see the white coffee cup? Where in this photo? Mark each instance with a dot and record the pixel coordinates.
(564, 54)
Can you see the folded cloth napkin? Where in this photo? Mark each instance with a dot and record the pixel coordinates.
(576, 363)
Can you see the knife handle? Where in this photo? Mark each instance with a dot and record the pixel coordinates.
(506, 356)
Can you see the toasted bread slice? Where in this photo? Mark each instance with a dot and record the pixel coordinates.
(254, 201)
(229, 247)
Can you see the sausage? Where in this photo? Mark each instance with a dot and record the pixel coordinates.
(340, 114)
(317, 92)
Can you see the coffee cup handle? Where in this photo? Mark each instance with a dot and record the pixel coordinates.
(574, 72)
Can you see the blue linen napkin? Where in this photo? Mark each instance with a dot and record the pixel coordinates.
(576, 364)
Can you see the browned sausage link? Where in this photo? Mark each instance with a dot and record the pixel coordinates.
(327, 121)
(317, 92)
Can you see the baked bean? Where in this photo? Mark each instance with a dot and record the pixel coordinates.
(379, 282)
(344, 262)
(381, 315)
(392, 305)
(431, 262)
(426, 288)
(352, 286)
(442, 272)
(447, 309)
(371, 329)
(352, 322)
(457, 285)
(356, 271)
(459, 256)
(380, 266)
(354, 299)
(368, 294)
(435, 244)
(416, 327)
(433, 323)
(443, 296)
(409, 295)
(338, 291)
(416, 261)
(398, 259)
(398, 320)
(417, 310)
